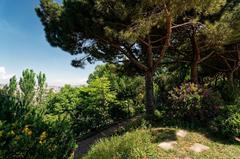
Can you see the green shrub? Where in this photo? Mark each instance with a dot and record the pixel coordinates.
(232, 125)
(185, 100)
(211, 102)
(93, 110)
(192, 102)
(134, 145)
(230, 94)
(122, 109)
(33, 137)
(26, 130)
(228, 121)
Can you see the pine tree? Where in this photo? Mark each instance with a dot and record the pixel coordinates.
(136, 33)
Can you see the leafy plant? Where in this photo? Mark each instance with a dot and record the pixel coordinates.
(134, 145)
(26, 130)
(228, 121)
(185, 100)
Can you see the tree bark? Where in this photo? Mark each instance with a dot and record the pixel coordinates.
(149, 102)
(196, 57)
(230, 78)
(194, 72)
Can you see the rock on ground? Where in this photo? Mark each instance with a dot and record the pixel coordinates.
(167, 145)
(198, 147)
(181, 133)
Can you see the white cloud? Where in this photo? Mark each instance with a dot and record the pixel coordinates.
(61, 82)
(4, 76)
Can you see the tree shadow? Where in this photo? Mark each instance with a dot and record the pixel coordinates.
(169, 134)
(217, 137)
(163, 134)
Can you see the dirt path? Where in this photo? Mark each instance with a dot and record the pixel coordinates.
(85, 145)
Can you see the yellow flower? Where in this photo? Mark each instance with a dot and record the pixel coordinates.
(42, 138)
(17, 138)
(27, 131)
(41, 142)
(193, 87)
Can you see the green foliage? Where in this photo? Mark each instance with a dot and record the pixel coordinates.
(228, 121)
(63, 103)
(129, 91)
(230, 93)
(232, 125)
(41, 79)
(186, 100)
(26, 130)
(93, 109)
(136, 34)
(27, 84)
(126, 87)
(135, 145)
(33, 138)
(164, 81)
(192, 102)
(12, 86)
(123, 109)
(211, 103)
(108, 97)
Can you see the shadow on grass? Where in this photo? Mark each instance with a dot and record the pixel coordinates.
(216, 137)
(169, 133)
(165, 134)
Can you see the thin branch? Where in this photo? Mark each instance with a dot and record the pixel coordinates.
(215, 68)
(144, 42)
(226, 62)
(180, 25)
(167, 40)
(156, 41)
(129, 55)
(206, 57)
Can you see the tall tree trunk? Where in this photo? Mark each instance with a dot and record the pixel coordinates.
(149, 102)
(194, 72)
(196, 57)
(230, 78)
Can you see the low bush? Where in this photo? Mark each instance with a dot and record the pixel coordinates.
(122, 110)
(211, 102)
(134, 145)
(228, 121)
(186, 99)
(26, 130)
(192, 102)
(232, 125)
(230, 93)
(34, 137)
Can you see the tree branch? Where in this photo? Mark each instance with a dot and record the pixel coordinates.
(128, 54)
(180, 25)
(206, 57)
(167, 40)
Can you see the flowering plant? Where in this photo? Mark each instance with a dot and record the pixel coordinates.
(185, 100)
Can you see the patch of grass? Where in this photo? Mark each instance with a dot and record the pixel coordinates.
(134, 145)
(143, 144)
(218, 150)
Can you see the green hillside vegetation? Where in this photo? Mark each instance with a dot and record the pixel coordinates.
(173, 64)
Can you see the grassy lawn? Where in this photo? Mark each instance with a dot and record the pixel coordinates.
(143, 144)
(219, 149)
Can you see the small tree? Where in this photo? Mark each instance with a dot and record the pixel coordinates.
(41, 79)
(27, 85)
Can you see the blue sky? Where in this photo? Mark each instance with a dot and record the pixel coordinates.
(23, 45)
